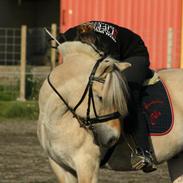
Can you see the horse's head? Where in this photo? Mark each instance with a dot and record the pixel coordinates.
(105, 94)
(111, 96)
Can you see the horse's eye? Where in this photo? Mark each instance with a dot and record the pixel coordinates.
(100, 98)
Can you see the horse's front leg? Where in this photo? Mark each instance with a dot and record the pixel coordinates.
(87, 170)
(63, 175)
(87, 166)
(175, 166)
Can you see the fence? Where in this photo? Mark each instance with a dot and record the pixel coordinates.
(10, 81)
(23, 53)
(10, 46)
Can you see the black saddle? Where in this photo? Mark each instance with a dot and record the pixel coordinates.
(157, 109)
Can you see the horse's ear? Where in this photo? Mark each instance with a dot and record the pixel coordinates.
(105, 67)
(110, 64)
(123, 65)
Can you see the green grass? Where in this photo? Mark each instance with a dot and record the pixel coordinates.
(7, 96)
(18, 109)
(8, 93)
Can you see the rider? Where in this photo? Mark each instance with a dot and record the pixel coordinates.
(125, 46)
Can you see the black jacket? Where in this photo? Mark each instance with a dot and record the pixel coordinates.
(120, 42)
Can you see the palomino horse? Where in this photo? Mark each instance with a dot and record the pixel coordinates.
(80, 105)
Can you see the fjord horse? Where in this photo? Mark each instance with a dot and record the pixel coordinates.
(80, 105)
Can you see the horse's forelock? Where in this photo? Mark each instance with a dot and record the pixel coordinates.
(115, 92)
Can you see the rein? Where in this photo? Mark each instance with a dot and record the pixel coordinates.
(88, 121)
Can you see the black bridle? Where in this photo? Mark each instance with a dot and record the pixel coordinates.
(88, 121)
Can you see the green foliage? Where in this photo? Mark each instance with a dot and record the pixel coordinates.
(32, 87)
(18, 109)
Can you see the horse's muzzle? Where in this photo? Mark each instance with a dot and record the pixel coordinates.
(106, 136)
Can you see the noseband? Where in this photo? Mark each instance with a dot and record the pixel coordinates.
(88, 121)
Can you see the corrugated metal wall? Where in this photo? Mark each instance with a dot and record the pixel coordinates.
(157, 21)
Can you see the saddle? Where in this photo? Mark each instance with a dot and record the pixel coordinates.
(157, 107)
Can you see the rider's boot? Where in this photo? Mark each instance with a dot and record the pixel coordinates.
(142, 157)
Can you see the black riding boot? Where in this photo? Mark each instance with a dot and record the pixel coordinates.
(141, 158)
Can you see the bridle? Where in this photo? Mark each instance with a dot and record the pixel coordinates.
(88, 121)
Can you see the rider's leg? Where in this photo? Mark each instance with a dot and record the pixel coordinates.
(136, 75)
(141, 135)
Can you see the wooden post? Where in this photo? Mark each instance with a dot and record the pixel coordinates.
(169, 47)
(53, 43)
(23, 62)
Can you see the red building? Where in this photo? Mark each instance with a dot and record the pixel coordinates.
(158, 22)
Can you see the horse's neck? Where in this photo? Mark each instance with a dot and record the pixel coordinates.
(71, 77)
(76, 47)
(77, 65)
(75, 58)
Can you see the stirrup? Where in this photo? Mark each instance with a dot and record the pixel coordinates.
(142, 161)
(137, 161)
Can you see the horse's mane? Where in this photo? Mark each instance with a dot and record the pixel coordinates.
(78, 47)
(116, 92)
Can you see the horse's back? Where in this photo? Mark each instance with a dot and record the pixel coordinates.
(172, 79)
(171, 74)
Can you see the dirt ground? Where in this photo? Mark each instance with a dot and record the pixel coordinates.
(23, 161)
